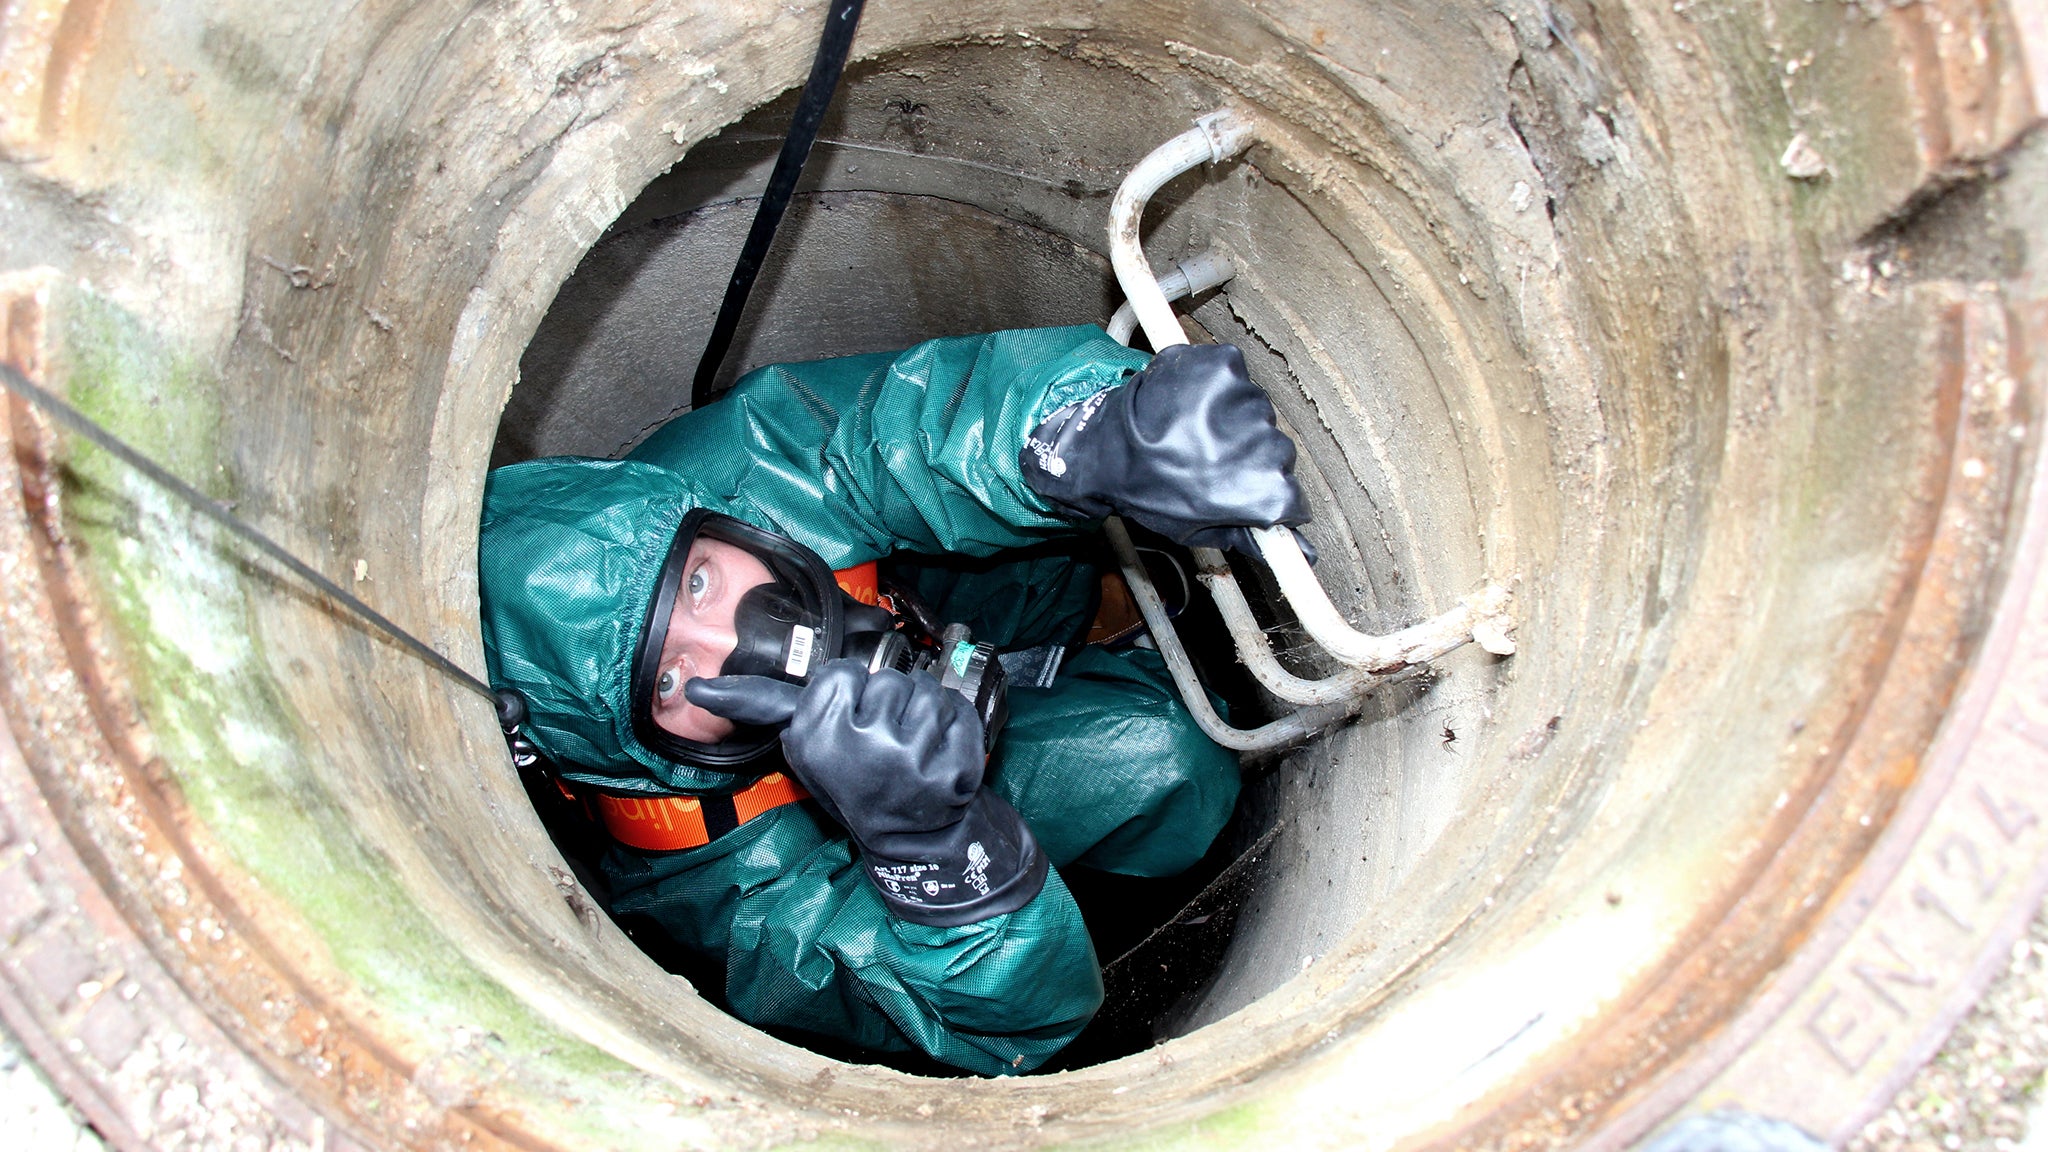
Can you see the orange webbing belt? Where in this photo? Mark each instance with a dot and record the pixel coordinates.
(862, 582)
(669, 823)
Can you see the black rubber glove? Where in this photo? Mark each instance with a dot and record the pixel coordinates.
(897, 759)
(1190, 448)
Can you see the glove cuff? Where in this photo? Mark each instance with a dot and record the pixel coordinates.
(1185, 447)
(984, 865)
(1053, 450)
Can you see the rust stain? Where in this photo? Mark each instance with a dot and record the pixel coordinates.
(78, 34)
(45, 46)
(21, 344)
(1932, 619)
(1965, 64)
(86, 744)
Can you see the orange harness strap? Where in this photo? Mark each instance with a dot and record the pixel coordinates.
(671, 823)
(862, 582)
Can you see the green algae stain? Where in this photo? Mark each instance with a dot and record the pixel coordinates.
(1247, 1125)
(178, 591)
(118, 372)
(833, 1142)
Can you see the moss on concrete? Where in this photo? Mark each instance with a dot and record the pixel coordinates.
(177, 591)
(1251, 1124)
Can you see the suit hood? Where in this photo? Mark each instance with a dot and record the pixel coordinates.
(567, 561)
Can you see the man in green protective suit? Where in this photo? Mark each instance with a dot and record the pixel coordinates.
(835, 833)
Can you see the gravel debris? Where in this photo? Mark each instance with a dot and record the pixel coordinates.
(35, 1117)
(1980, 1091)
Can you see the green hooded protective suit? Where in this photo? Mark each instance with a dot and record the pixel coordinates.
(859, 459)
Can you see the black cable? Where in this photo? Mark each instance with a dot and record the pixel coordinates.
(84, 425)
(833, 47)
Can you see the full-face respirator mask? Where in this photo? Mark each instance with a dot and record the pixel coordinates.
(789, 627)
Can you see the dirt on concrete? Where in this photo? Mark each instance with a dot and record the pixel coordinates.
(1983, 1089)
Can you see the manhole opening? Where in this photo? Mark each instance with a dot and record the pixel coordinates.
(862, 264)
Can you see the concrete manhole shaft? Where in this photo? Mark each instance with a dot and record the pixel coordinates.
(1717, 325)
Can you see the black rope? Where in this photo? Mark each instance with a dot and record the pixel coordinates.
(84, 425)
(833, 47)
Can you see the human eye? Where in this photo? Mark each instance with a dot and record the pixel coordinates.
(698, 582)
(665, 688)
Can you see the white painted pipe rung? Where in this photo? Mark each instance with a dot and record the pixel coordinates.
(1482, 616)
(1256, 651)
(1289, 729)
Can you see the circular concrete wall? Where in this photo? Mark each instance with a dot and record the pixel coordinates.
(1708, 328)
